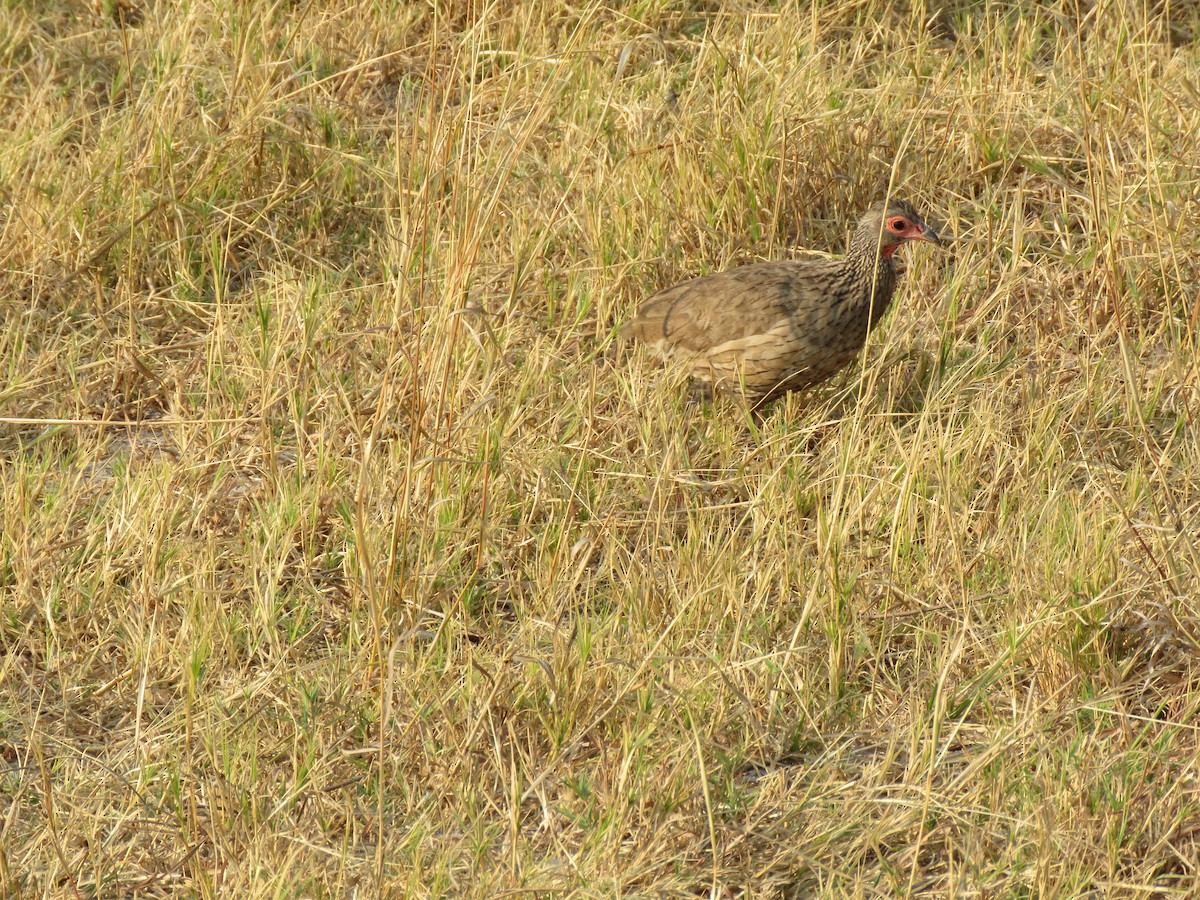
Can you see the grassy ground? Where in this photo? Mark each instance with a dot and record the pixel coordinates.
(341, 557)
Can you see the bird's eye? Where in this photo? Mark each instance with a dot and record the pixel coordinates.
(899, 225)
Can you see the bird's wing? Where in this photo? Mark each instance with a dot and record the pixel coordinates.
(729, 306)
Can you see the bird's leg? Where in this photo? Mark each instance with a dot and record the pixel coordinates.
(699, 392)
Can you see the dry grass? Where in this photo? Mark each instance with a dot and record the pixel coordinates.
(342, 558)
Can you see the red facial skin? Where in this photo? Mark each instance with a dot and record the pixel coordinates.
(904, 229)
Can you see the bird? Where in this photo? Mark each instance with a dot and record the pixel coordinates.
(772, 327)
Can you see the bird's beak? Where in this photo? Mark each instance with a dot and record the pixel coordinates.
(928, 234)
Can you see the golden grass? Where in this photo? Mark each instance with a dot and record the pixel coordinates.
(343, 557)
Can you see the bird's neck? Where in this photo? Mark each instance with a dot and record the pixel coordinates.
(873, 266)
(869, 260)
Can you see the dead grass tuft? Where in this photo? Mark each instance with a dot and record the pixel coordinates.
(344, 554)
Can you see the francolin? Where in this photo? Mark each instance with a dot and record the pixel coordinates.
(773, 327)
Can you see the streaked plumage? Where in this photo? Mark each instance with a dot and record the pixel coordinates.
(773, 327)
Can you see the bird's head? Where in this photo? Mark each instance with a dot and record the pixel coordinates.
(887, 226)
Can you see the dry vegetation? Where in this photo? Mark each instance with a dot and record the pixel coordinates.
(342, 556)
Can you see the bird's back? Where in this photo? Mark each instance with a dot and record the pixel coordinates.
(768, 327)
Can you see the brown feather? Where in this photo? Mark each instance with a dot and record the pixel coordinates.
(773, 327)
